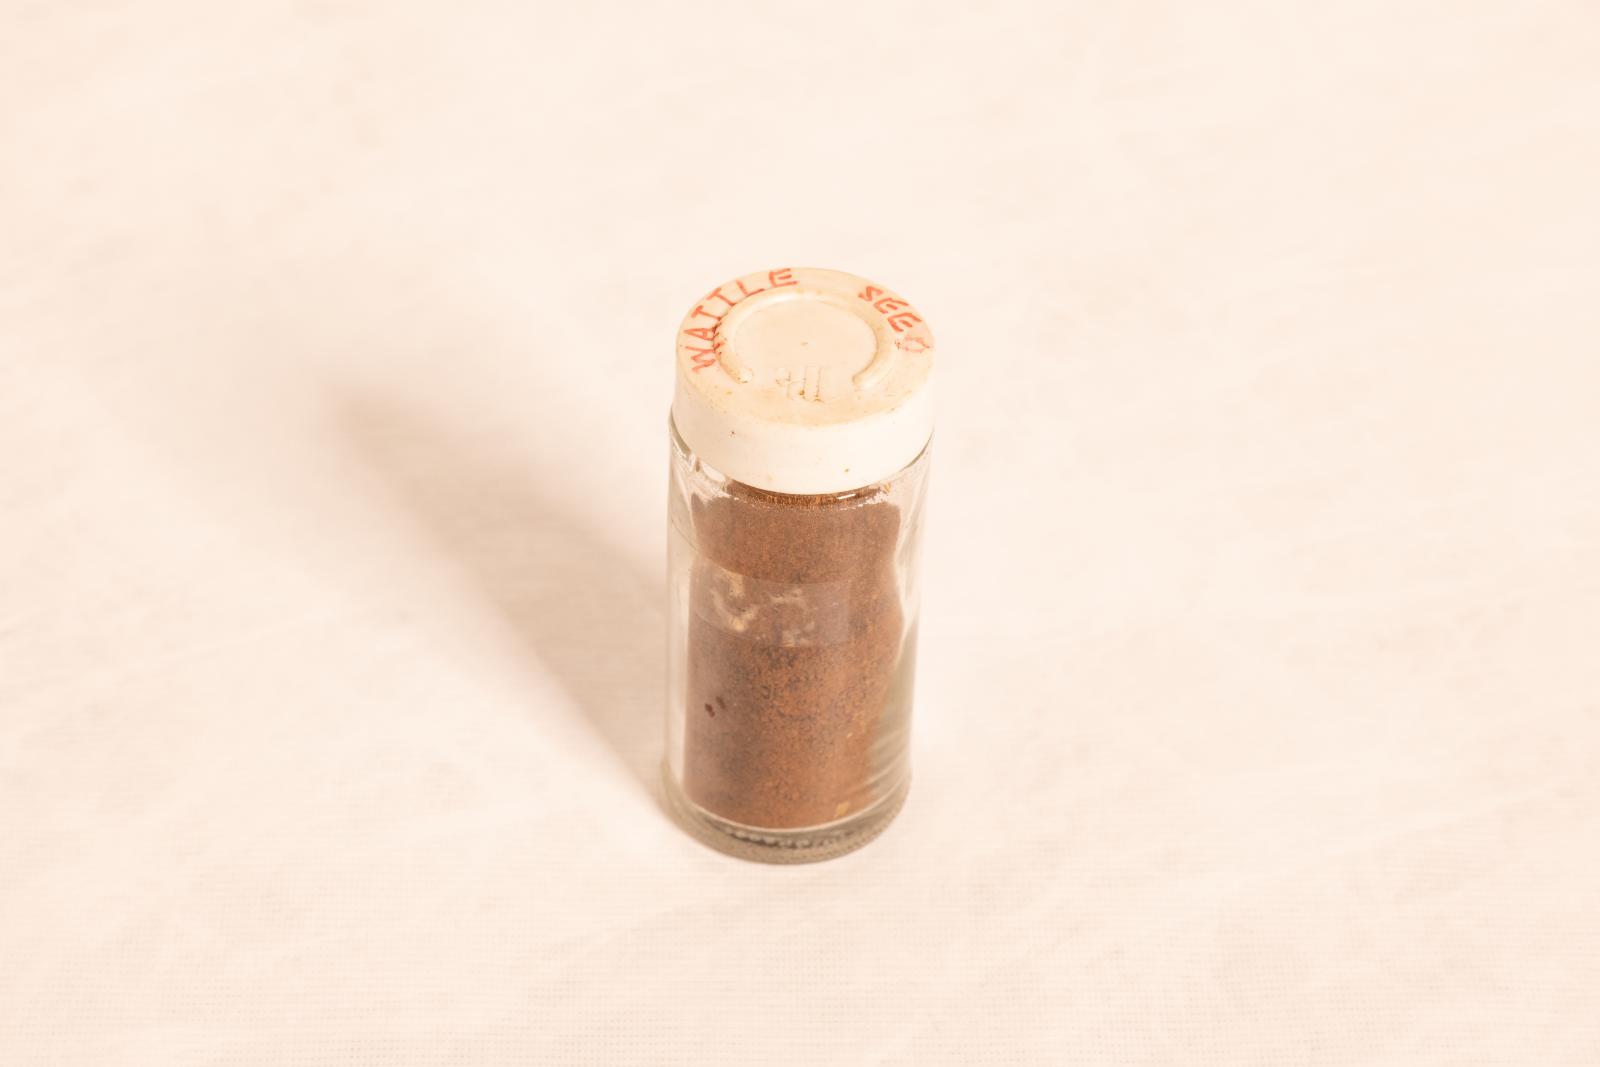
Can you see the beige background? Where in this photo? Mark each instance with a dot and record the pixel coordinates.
(1260, 710)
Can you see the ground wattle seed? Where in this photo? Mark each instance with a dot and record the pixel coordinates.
(795, 631)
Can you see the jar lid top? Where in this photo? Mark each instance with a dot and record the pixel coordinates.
(802, 380)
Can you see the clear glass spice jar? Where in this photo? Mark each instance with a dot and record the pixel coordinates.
(799, 458)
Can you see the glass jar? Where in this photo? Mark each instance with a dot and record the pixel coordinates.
(792, 576)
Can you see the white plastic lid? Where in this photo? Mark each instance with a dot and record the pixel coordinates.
(804, 381)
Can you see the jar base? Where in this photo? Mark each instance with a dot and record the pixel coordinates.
(808, 845)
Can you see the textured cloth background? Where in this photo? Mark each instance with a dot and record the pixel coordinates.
(1260, 700)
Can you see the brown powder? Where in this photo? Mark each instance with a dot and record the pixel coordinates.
(794, 649)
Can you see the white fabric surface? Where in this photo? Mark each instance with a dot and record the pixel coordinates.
(1260, 706)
